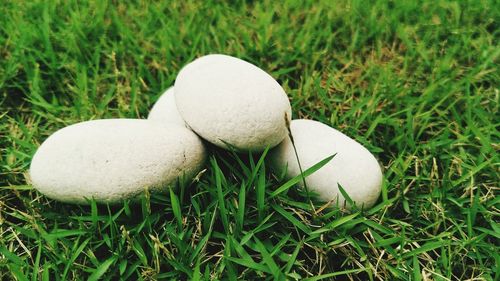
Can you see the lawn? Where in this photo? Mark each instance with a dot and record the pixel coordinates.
(416, 82)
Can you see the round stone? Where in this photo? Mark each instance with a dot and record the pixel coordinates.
(231, 102)
(164, 111)
(353, 167)
(115, 159)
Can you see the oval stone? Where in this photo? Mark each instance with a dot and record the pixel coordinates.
(165, 111)
(353, 166)
(231, 102)
(114, 159)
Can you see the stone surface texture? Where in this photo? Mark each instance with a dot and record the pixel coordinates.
(353, 167)
(226, 100)
(165, 111)
(114, 159)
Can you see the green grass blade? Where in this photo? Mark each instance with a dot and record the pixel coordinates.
(261, 192)
(176, 208)
(101, 269)
(268, 259)
(299, 178)
(220, 195)
(298, 224)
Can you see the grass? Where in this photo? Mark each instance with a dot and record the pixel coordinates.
(416, 82)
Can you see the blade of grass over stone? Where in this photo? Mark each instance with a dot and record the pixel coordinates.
(299, 178)
(347, 198)
(290, 136)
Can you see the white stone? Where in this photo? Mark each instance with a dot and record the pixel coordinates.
(165, 111)
(115, 159)
(228, 100)
(353, 167)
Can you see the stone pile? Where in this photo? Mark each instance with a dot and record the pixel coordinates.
(216, 99)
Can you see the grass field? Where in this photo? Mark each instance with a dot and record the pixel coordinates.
(416, 82)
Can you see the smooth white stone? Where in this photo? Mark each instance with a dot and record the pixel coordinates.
(165, 111)
(227, 100)
(353, 167)
(115, 159)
